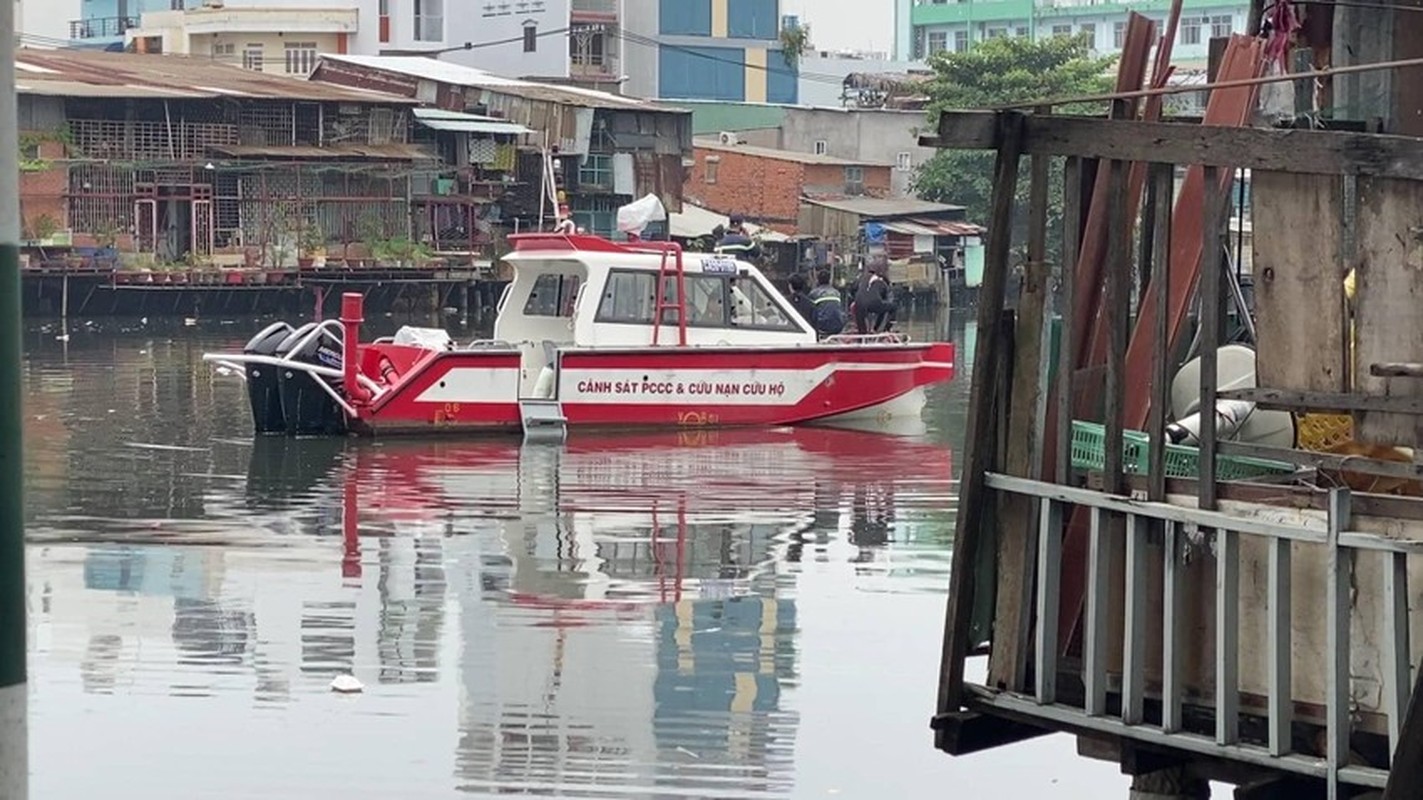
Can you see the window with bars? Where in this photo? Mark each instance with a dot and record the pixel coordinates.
(1089, 32)
(938, 42)
(252, 57)
(1119, 35)
(960, 41)
(301, 57)
(1191, 30)
(904, 162)
(1062, 30)
(1222, 26)
(713, 168)
(531, 37)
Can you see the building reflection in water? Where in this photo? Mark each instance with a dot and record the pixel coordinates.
(626, 606)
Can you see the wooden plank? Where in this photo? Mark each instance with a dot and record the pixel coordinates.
(1017, 530)
(962, 733)
(1298, 151)
(1389, 284)
(980, 445)
(1163, 183)
(1299, 281)
(1288, 400)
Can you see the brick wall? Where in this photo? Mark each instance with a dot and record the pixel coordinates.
(44, 183)
(768, 190)
(761, 189)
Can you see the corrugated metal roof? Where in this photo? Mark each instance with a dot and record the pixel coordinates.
(881, 207)
(372, 152)
(782, 155)
(930, 227)
(432, 69)
(94, 73)
(694, 221)
(441, 120)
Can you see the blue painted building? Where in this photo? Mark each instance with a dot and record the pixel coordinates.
(728, 50)
(102, 23)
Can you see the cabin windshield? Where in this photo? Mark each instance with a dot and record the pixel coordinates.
(713, 301)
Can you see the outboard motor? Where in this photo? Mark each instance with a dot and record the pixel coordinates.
(307, 408)
(263, 391)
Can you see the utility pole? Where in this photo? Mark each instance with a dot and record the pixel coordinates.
(14, 751)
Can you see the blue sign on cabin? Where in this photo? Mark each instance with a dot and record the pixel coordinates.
(719, 266)
(874, 232)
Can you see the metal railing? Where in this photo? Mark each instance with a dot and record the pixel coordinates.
(101, 27)
(1138, 522)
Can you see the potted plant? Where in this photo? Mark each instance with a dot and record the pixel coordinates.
(312, 244)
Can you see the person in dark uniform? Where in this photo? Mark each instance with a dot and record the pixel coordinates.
(874, 304)
(800, 299)
(737, 243)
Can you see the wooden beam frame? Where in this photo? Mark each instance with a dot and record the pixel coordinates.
(1282, 150)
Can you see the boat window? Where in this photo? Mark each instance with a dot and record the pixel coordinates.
(628, 295)
(753, 307)
(553, 295)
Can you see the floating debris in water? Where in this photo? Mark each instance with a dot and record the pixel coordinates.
(151, 446)
(347, 684)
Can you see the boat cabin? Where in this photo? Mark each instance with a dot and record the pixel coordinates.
(586, 291)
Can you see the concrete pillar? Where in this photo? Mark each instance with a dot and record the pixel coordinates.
(1169, 784)
(14, 758)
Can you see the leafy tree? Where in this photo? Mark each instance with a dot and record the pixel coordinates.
(995, 72)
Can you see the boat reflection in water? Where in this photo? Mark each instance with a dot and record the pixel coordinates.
(615, 616)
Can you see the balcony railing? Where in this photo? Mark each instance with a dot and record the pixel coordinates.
(101, 27)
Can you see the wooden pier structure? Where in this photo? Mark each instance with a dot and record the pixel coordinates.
(1257, 631)
(99, 291)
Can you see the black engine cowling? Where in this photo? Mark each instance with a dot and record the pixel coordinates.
(263, 389)
(308, 409)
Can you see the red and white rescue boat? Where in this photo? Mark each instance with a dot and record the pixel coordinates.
(590, 334)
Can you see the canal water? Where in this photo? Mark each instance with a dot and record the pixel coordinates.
(731, 615)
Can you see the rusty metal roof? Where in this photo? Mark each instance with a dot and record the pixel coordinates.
(437, 71)
(875, 207)
(369, 152)
(92, 73)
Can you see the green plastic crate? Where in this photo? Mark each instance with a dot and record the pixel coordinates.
(1089, 452)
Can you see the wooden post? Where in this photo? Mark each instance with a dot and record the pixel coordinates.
(1209, 326)
(1067, 342)
(1118, 301)
(1406, 774)
(979, 445)
(1017, 528)
(1163, 180)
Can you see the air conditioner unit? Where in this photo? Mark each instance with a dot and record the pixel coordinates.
(729, 138)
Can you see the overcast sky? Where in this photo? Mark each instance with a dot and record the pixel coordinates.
(846, 24)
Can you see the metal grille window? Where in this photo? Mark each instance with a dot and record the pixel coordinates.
(531, 37)
(301, 57)
(1119, 35)
(904, 162)
(713, 167)
(252, 57)
(938, 42)
(960, 41)
(1062, 30)
(1222, 26)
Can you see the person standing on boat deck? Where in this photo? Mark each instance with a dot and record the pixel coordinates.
(873, 307)
(827, 307)
(737, 243)
(800, 300)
